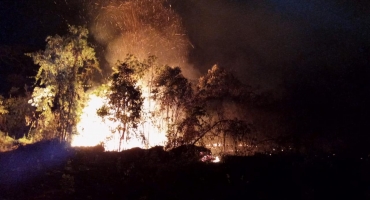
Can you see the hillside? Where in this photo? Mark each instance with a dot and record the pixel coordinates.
(51, 170)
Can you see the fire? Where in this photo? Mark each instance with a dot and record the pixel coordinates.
(93, 130)
(141, 28)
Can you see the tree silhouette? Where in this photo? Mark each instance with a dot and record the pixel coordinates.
(125, 101)
(209, 116)
(173, 91)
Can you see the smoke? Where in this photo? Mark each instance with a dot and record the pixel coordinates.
(141, 28)
(313, 54)
(266, 43)
(270, 43)
(245, 37)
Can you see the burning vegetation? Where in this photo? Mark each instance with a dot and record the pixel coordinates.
(142, 104)
(137, 90)
(116, 112)
(130, 97)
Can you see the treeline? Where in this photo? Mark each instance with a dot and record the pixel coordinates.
(218, 111)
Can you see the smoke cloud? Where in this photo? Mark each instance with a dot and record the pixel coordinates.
(268, 44)
(141, 28)
(312, 54)
(246, 37)
(274, 43)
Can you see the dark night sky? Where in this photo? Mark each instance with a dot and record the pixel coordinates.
(313, 54)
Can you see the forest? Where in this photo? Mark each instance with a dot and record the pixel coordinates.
(203, 113)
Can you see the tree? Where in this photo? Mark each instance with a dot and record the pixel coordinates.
(125, 101)
(66, 66)
(220, 84)
(16, 121)
(215, 109)
(173, 91)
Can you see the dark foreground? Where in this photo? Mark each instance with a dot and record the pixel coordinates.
(52, 171)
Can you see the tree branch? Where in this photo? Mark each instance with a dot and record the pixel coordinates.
(209, 129)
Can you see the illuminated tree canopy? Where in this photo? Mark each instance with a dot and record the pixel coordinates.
(140, 97)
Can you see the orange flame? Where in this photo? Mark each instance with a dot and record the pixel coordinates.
(93, 130)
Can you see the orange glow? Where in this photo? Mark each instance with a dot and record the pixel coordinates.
(93, 130)
(141, 28)
(216, 160)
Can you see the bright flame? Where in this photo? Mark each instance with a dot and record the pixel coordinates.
(141, 28)
(93, 130)
(216, 160)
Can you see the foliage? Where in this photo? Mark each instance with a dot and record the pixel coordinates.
(218, 83)
(173, 88)
(138, 68)
(173, 91)
(17, 120)
(15, 123)
(214, 115)
(6, 142)
(66, 66)
(125, 99)
(3, 110)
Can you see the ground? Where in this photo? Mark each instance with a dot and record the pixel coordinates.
(50, 170)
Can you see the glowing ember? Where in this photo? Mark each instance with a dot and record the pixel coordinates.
(216, 160)
(210, 158)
